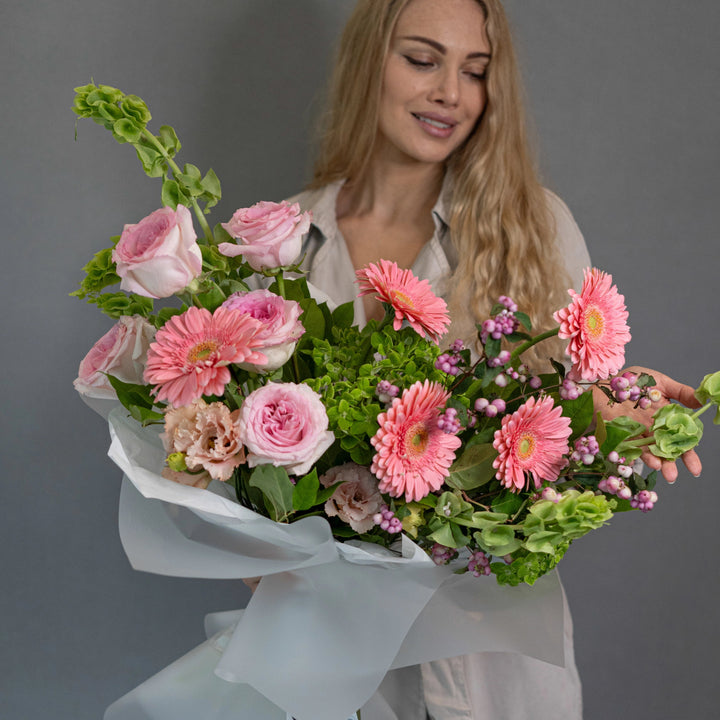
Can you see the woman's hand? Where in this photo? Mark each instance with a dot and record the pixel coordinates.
(671, 390)
(252, 583)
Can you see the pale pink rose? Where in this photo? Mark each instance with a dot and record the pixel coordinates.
(357, 499)
(285, 425)
(199, 480)
(208, 435)
(271, 234)
(120, 352)
(281, 328)
(158, 256)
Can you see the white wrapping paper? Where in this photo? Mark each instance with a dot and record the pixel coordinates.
(328, 619)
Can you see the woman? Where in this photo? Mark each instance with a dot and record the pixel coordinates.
(425, 162)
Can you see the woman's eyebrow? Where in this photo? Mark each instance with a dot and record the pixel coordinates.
(440, 47)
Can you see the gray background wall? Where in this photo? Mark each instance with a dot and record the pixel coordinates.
(625, 99)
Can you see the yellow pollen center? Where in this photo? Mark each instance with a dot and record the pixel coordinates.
(594, 321)
(526, 446)
(401, 298)
(202, 351)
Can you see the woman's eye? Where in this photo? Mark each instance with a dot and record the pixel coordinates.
(418, 63)
(479, 76)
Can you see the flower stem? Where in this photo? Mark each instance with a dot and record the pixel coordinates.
(533, 341)
(177, 172)
(702, 410)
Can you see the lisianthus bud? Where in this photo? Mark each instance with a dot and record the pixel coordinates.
(176, 462)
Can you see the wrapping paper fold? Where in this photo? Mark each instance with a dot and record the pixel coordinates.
(328, 619)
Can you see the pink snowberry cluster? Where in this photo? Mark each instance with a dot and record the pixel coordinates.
(386, 391)
(479, 563)
(387, 520)
(570, 390)
(645, 500)
(586, 448)
(504, 323)
(613, 485)
(625, 387)
(490, 408)
(448, 422)
(448, 362)
(441, 554)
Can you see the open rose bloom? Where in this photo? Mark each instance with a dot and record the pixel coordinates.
(121, 352)
(158, 256)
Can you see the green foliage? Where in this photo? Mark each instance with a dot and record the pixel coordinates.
(138, 401)
(277, 490)
(527, 566)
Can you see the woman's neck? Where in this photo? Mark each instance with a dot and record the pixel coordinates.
(392, 192)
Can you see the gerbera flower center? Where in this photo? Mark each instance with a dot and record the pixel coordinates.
(526, 446)
(202, 351)
(418, 437)
(594, 321)
(400, 298)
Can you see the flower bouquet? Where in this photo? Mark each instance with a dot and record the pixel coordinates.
(291, 443)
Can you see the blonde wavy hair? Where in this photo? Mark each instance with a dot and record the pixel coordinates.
(500, 223)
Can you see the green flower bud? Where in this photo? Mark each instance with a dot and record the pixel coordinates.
(135, 109)
(176, 461)
(676, 430)
(709, 391)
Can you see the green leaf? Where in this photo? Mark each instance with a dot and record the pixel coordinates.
(524, 320)
(507, 502)
(312, 318)
(580, 411)
(277, 489)
(305, 491)
(559, 368)
(544, 542)
(99, 274)
(117, 304)
(211, 188)
(343, 315)
(212, 298)
(473, 468)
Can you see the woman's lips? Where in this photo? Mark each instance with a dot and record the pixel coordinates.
(439, 126)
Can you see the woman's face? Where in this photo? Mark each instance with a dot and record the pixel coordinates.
(433, 91)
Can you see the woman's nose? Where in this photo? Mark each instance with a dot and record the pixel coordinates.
(447, 88)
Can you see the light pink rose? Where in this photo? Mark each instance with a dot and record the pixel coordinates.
(121, 352)
(281, 328)
(357, 499)
(286, 425)
(208, 436)
(158, 256)
(271, 234)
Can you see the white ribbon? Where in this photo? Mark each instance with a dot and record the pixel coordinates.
(327, 621)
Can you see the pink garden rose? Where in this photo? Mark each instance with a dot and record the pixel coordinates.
(158, 256)
(285, 425)
(357, 499)
(271, 234)
(121, 352)
(207, 434)
(281, 328)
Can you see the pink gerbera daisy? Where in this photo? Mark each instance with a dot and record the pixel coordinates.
(533, 440)
(411, 299)
(595, 324)
(413, 454)
(191, 352)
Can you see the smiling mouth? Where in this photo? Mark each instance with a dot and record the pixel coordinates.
(434, 123)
